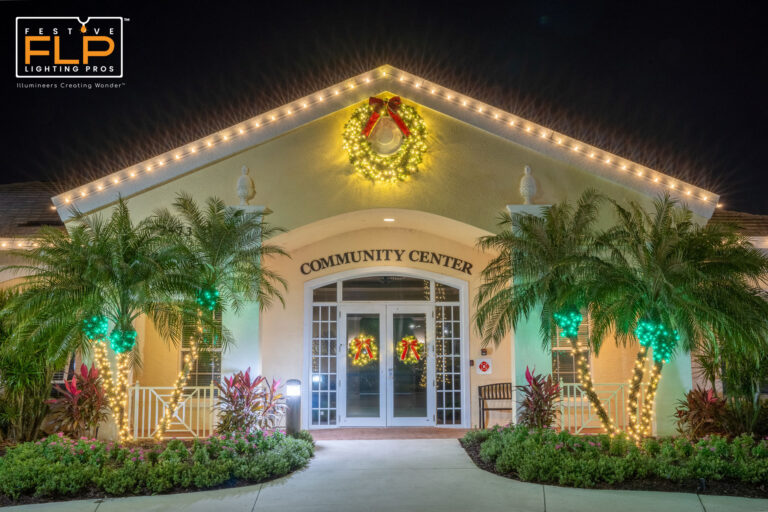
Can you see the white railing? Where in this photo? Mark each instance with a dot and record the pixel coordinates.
(577, 414)
(195, 415)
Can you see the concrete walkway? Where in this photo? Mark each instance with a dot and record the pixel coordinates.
(412, 474)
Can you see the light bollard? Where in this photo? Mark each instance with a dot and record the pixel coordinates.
(293, 400)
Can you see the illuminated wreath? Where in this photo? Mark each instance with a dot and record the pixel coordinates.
(362, 350)
(385, 139)
(410, 350)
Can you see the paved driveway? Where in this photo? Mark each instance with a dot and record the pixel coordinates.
(413, 474)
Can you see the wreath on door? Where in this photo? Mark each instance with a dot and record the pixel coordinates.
(411, 350)
(362, 350)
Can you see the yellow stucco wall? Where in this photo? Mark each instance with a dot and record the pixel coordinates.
(468, 175)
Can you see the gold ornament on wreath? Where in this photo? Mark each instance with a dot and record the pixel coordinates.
(362, 350)
(385, 139)
(410, 350)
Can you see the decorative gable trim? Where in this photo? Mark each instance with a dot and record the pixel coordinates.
(264, 127)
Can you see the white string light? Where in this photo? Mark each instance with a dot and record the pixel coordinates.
(436, 90)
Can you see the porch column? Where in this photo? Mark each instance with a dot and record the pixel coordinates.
(676, 380)
(527, 347)
(245, 350)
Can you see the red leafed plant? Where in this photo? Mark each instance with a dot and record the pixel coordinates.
(700, 413)
(248, 404)
(81, 406)
(539, 400)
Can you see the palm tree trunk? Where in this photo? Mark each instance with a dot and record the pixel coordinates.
(646, 417)
(585, 378)
(123, 373)
(633, 401)
(181, 382)
(104, 366)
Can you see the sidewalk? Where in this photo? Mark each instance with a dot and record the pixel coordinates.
(413, 474)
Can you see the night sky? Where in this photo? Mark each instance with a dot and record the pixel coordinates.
(675, 87)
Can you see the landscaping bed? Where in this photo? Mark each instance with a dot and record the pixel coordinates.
(58, 468)
(713, 465)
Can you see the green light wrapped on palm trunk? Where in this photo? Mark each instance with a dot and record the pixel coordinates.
(569, 322)
(95, 328)
(658, 338)
(122, 340)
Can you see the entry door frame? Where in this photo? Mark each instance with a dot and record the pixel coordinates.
(461, 284)
(341, 364)
(429, 317)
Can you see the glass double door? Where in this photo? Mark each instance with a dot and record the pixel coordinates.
(387, 363)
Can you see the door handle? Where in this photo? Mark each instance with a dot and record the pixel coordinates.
(389, 372)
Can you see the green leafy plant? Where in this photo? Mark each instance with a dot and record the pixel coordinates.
(59, 467)
(540, 266)
(670, 284)
(700, 413)
(25, 379)
(81, 406)
(540, 397)
(560, 458)
(248, 404)
(221, 267)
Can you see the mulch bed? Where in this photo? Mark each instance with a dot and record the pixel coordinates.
(715, 488)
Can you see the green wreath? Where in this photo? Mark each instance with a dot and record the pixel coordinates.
(378, 167)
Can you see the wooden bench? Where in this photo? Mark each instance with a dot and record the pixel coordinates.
(489, 392)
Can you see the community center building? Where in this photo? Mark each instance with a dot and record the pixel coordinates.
(383, 183)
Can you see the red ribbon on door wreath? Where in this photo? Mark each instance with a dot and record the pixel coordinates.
(409, 344)
(361, 345)
(392, 105)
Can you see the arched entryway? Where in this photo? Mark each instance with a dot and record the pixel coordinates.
(386, 346)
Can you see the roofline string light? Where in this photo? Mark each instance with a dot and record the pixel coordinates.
(512, 121)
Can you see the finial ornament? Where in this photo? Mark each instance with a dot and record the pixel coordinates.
(527, 186)
(245, 190)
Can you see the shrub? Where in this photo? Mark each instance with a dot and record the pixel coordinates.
(61, 467)
(249, 405)
(475, 437)
(700, 413)
(745, 415)
(539, 403)
(550, 457)
(306, 436)
(81, 406)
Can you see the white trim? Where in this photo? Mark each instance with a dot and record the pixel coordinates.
(463, 287)
(269, 125)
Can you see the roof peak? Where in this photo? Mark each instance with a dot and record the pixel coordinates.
(263, 127)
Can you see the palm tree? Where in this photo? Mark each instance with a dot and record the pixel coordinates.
(103, 272)
(222, 251)
(25, 381)
(671, 285)
(541, 261)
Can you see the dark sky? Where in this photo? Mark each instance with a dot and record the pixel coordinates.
(678, 87)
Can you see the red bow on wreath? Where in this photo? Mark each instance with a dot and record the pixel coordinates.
(392, 105)
(361, 345)
(412, 346)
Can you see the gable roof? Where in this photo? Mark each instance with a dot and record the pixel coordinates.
(261, 128)
(26, 207)
(749, 224)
